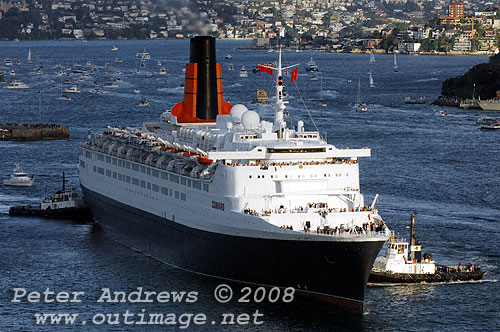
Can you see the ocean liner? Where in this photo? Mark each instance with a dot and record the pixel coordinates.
(213, 189)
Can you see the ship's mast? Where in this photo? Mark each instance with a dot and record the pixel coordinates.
(279, 115)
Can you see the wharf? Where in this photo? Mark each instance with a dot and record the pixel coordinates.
(32, 132)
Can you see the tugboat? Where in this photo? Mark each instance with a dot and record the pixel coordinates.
(65, 204)
(404, 263)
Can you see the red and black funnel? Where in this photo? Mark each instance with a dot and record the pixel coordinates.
(203, 97)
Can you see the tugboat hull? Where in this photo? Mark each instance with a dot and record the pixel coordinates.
(408, 278)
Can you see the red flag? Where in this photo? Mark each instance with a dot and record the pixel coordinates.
(266, 68)
(294, 74)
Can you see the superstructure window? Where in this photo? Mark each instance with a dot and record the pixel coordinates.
(108, 173)
(100, 157)
(174, 178)
(82, 164)
(164, 176)
(301, 150)
(183, 196)
(164, 191)
(143, 184)
(135, 167)
(155, 187)
(205, 187)
(135, 181)
(108, 159)
(100, 170)
(197, 185)
(155, 173)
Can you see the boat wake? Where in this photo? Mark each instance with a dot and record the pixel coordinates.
(375, 284)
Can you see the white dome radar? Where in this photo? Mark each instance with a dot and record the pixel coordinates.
(237, 111)
(250, 120)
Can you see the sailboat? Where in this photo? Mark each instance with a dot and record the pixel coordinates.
(372, 84)
(395, 65)
(322, 101)
(372, 58)
(359, 106)
(30, 57)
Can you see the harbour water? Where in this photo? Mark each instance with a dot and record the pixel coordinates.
(441, 167)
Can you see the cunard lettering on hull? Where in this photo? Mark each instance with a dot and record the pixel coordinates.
(214, 189)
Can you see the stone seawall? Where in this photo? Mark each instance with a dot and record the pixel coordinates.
(33, 132)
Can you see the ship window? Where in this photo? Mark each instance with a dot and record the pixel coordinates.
(108, 173)
(189, 182)
(197, 185)
(82, 164)
(94, 169)
(127, 179)
(176, 194)
(135, 167)
(183, 196)
(143, 184)
(88, 154)
(148, 171)
(114, 161)
(149, 185)
(258, 176)
(100, 157)
(100, 170)
(127, 164)
(183, 181)
(272, 176)
(143, 169)
(249, 176)
(205, 187)
(155, 187)
(115, 175)
(155, 172)
(120, 163)
(164, 191)
(174, 178)
(286, 176)
(135, 181)
(170, 192)
(119, 176)
(108, 159)
(164, 176)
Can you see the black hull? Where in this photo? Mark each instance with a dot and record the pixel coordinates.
(333, 271)
(408, 278)
(81, 213)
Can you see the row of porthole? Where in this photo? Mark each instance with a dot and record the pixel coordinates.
(312, 175)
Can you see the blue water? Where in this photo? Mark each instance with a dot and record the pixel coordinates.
(441, 167)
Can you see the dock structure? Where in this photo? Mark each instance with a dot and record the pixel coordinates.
(32, 132)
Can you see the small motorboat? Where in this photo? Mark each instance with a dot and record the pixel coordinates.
(114, 48)
(17, 85)
(18, 178)
(488, 123)
(144, 103)
(136, 90)
(72, 89)
(163, 71)
(64, 98)
(243, 72)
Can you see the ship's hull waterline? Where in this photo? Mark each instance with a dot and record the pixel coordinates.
(332, 271)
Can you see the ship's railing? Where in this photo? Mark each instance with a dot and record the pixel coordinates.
(349, 233)
(321, 208)
(335, 161)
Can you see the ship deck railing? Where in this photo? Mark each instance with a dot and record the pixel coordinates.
(348, 233)
(295, 163)
(321, 208)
